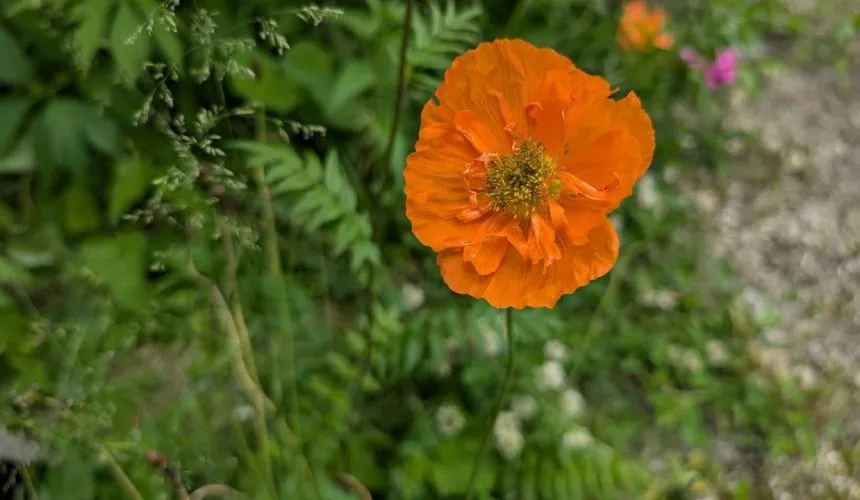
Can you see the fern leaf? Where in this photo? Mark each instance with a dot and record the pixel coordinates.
(438, 36)
(322, 201)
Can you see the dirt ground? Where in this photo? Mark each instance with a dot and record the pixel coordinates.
(791, 230)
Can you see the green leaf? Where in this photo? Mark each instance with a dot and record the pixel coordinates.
(271, 86)
(169, 44)
(12, 111)
(72, 479)
(356, 78)
(21, 159)
(11, 272)
(452, 467)
(310, 65)
(59, 135)
(120, 263)
(15, 68)
(89, 34)
(131, 178)
(65, 128)
(80, 214)
(129, 44)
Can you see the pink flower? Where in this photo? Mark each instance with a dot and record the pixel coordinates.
(723, 71)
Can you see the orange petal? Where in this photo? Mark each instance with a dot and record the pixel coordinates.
(518, 283)
(469, 124)
(487, 254)
(542, 245)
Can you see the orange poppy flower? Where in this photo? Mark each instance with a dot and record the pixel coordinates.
(515, 170)
(641, 28)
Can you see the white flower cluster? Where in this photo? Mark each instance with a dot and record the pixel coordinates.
(524, 406)
(449, 420)
(576, 439)
(550, 376)
(686, 359)
(572, 403)
(508, 435)
(491, 339)
(413, 296)
(554, 349)
(660, 298)
(648, 195)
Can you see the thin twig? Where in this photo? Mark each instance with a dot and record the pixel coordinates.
(160, 462)
(253, 391)
(118, 473)
(214, 489)
(232, 292)
(509, 370)
(28, 481)
(275, 269)
(401, 91)
(355, 485)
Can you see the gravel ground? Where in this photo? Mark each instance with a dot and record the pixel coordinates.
(791, 229)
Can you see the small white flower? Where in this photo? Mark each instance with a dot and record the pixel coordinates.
(449, 420)
(243, 413)
(524, 406)
(509, 439)
(413, 296)
(572, 403)
(445, 368)
(554, 349)
(505, 421)
(692, 361)
(490, 341)
(716, 353)
(576, 439)
(510, 443)
(647, 193)
(550, 376)
(662, 298)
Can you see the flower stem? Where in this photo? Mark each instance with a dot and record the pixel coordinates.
(119, 474)
(509, 370)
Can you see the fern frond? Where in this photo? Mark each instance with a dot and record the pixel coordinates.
(437, 37)
(322, 199)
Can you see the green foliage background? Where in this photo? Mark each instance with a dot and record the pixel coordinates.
(198, 198)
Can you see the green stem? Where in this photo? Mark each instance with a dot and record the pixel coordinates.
(509, 370)
(401, 91)
(28, 482)
(119, 474)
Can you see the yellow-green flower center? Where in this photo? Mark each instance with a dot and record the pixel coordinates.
(517, 182)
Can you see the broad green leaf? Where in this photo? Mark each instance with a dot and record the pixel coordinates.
(80, 212)
(11, 272)
(12, 111)
(64, 129)
(356, 78)
(310, 65)
(120, 263)
(169, 44)
(270, 86)
(452, 467)
(89, 34)
(59, 135)
(72, 479)
(15, 68)
(128, 43)
(21, 159)
(131, 178)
